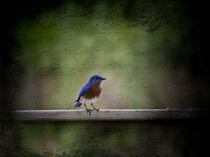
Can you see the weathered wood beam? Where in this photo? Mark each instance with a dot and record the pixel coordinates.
(112, 114)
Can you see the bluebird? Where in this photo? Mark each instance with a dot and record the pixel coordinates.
(90, 93)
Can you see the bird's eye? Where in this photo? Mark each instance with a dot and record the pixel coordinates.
(96, 78)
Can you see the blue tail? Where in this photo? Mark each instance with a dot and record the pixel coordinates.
(78, 104)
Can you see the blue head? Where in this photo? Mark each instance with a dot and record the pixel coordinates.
(96, 79)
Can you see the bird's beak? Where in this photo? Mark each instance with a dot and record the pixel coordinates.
(103, 78)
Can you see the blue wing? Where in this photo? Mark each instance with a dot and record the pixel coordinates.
(83, 90)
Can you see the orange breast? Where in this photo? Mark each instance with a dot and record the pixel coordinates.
(94, 90)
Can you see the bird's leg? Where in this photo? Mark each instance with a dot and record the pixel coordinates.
(88, 110)
(97, 109)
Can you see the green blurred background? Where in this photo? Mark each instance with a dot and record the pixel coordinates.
(141, 47)
(151, 52)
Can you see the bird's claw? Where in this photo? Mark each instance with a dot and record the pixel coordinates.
(97, 109)
(89, 111)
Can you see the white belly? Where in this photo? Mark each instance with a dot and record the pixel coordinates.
(88, 101)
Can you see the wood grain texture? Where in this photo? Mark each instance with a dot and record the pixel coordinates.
(112, 114)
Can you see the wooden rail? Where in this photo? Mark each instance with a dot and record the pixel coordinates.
(112, 114)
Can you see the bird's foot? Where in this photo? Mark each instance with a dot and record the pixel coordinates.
(97, 109)
(88, 111)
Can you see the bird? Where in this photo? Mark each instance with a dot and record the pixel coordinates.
(90, 93)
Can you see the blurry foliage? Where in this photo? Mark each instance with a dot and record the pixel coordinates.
(132, 43)
(111, 139)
